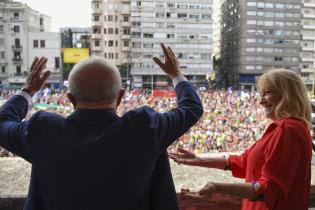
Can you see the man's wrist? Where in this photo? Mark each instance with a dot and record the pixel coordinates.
(28, 90)
(178, 79)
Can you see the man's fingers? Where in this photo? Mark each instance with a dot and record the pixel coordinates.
(40, 67)
(171, 52)
(37, 64)
(158, 62)
(34, 63)
(181, 150)
(165, 51)
(45, 75)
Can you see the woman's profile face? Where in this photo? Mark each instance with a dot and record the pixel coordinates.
(269, 100)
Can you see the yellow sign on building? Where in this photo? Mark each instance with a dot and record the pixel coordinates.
(74, 55)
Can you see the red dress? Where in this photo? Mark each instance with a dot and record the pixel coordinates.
(281, 162)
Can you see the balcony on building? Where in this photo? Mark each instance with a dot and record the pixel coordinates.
(125, 24)
(309, 4)
(125, 11)
(125, 36)
(96, 48)
(125, 49)
(97, 11)
(96, 23)
(311, 16)
(307, 59)
(310, 49)
(308, 37)
(17, 60)
(308, 26)
(15, 79)
(17, 48)
(96, 36)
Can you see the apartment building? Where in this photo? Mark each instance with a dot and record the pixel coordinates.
(257, 36)
(186, 26)
(47, 44)
(111, 30)
(16, 21)
(308, 43)
(129, 33)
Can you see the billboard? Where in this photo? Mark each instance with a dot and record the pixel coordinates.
(74, 55)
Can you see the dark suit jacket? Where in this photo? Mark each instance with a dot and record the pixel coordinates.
(95, 159)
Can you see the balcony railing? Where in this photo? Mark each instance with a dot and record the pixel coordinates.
(17, 47)
(17, 60)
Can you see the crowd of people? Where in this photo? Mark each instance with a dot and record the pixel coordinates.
(232, 121)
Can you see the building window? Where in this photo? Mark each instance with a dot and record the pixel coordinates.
(17, 56)
(18, 71)
(2, 55)
(17, 43)
(41, 21)
(110, 43)
(57, 62)
(16, 15)
(116, 55)
(126, 31)
(110, 30)
(3, 69)
(1, 42)
(35, 43)
(110, 18)
(159, 15)
(148, 35)
(278, 58)
(126, 43)
(125, 19)
(1, 29)
(170, 36)
(96, 18)
(42, 43)
(116, 30)
(105, 55)
(16, 29)
(116, 43)
(96, 43)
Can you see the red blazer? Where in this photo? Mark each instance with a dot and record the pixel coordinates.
(281, 162)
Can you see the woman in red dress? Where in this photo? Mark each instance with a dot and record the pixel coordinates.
(277, 168)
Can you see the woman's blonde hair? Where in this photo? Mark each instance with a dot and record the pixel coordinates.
(295, 101)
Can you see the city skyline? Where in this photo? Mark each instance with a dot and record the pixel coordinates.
(61, 13)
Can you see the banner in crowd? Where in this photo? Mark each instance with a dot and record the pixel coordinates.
(164, 93)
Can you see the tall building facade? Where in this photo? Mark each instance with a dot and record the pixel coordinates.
(111, 30)
(257, 36)
(16, 21)
(186, 26)
(129, 33)
(308, 43)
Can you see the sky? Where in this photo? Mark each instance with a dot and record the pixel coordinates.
(63, 13)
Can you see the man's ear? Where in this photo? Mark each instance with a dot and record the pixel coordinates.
(72, 99)
(120, 96)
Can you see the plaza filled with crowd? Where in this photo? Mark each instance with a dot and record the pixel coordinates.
(232, 121)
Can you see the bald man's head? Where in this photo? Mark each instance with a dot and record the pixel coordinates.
(95, 80)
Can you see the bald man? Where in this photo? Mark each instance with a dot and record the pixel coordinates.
(95, 159)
